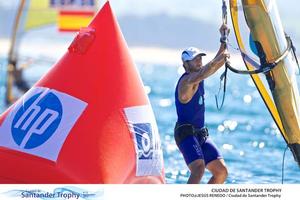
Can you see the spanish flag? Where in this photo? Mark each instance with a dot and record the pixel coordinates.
(73, 20)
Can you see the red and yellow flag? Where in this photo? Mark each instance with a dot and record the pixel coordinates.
(73, 20)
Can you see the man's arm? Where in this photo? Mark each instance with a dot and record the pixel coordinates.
(224, 31)
(221, 50)
(208, 69)
(189, 83)
(218, 61)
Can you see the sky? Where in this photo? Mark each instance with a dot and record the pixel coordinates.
(202, 9)
(208, 10)
(171, 15)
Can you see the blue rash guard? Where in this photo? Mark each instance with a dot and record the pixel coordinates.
(193, 111)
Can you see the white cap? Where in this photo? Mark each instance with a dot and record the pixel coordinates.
(190, 53)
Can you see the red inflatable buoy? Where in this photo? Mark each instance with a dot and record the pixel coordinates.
(88, 120)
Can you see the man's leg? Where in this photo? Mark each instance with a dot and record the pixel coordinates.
(197, 168)
(218, 170)
(193, 156)
(214, 162)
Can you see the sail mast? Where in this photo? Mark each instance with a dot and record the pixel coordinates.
(12, 70)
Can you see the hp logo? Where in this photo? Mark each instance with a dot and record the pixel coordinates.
(37, 120)
(143, 133)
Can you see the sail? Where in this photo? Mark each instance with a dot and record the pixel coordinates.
(252, 62)
(40, 13)
(262, 42)
(22, 15)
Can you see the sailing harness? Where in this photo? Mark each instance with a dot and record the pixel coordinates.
(265, 67)
(182, 131)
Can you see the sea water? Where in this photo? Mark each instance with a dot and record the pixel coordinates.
(243, 130)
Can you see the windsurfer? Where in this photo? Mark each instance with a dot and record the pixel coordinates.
(16, 74)
(191, 135)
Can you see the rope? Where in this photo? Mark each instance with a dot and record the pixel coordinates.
(293, 48)
(224, 39)
(222, 77)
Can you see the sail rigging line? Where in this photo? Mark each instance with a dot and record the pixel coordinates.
(293, 48)
(223, 77)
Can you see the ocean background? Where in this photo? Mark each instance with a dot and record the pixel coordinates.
(243, 130)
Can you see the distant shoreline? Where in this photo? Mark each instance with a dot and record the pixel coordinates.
(140, 54)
